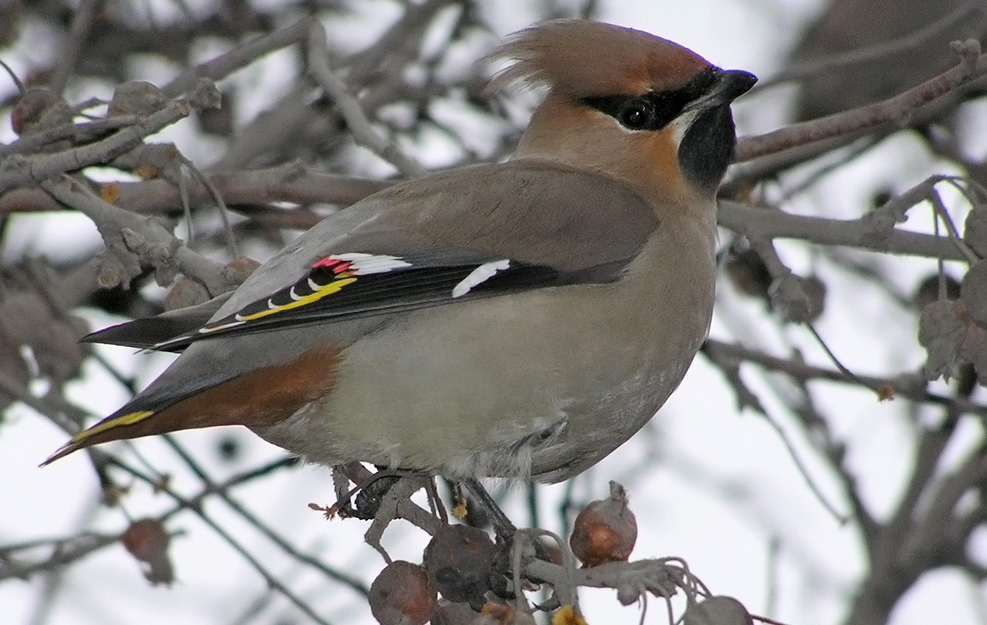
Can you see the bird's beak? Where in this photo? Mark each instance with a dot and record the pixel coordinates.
(733, 83)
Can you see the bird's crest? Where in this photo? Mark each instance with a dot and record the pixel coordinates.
(584, 59)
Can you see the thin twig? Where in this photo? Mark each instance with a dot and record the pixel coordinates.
(240, 56)
(884, 49)
(156, 240)
(289, 183)
(941, 214)
(356, 120)
(71, 52)
(224, 212)
(754, 222)
(907, 386)
(972, 65)
(22, 170)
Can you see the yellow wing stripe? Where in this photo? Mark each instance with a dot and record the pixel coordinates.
(329, 289)
(127, 419)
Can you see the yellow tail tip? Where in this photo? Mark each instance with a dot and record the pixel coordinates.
(86, 438)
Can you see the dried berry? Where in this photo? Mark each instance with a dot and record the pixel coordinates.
(605, 530)
(459, 560)
(185, 292)
(973, 291)
(798, 299)
(369, 498)
(719, 610)
(402, 595)
(449, 613)
(147, 540)
(239, 269)
(975, 231)
(502, 614)
(39, 108)
(749, 274)
(927, 290)
(136, 97)
(815, 292)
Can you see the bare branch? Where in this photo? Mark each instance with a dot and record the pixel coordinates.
(240, 57)
(129, 234)
(896, 110)
(359, 125)
(25, 170)
(755, 223)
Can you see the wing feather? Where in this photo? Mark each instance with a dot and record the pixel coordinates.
(417, 245)
(384, 289)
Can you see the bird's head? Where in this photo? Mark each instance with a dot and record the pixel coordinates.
(625, 102)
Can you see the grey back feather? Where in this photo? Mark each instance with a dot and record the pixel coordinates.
(530, 211)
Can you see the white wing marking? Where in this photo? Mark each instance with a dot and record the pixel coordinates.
(479, 275)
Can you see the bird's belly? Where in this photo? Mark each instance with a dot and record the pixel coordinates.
(444, 389)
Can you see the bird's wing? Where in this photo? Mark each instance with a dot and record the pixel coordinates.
(476, 232)
(147, 332)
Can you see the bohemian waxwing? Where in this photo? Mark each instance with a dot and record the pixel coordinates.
(521, 319)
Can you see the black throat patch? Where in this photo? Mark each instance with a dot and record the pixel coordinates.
(707, 147)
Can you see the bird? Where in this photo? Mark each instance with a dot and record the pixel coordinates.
(520, 319)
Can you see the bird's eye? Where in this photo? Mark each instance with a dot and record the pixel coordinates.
(637, 114)
(650, 111)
